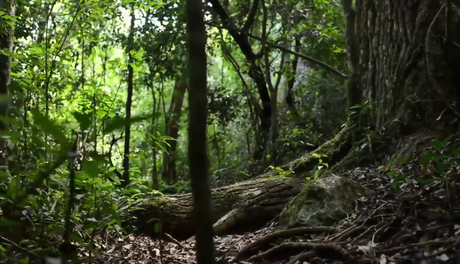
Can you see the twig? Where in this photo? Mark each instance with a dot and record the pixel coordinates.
(388, 250)
(173, 240)
(302, 257)
(303, 56)
(348, 233)
(4, 239)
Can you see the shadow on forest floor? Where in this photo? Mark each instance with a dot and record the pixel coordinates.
(410, 223)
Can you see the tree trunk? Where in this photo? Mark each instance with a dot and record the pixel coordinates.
(6, 44)
(129, 100)
(172, 130)
(408, 70)
(197, 131)
(289, 97)
(8, 211)
(153, 131)
(255, 72)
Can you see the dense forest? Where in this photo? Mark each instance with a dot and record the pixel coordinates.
(192, 131)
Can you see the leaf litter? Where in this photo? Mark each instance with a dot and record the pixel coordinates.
(412, 222)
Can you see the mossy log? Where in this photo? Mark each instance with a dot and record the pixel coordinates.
(243, 206)
(240, 207)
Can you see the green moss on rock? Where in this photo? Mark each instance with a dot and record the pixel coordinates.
(323, 202)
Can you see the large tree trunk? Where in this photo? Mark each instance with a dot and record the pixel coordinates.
(407, 69)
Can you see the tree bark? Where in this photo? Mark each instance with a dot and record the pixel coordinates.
(289, 96)
(172, 130)
(129, 100)
(243, 206)
(6, 43)
(197, 131)
(408, 70)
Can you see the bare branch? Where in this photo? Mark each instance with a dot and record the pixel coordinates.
(251, 17)
(305, 57)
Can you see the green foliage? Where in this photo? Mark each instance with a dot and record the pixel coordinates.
(437, 161)
(321, 165)
(443, 157)
(69, 83)
(282, 173)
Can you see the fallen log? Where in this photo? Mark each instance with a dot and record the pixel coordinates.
(244, 206)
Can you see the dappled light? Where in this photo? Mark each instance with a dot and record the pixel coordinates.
(201, 132)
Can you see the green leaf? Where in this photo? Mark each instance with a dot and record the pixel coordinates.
(317, 174)
(454, 151)
(404, 159)
(443, 167)
(49, 127)
(25, 260)
(84, 120)
(116, 216)
(428, 157)
(397, 181)
(392, 173)
(368, 131)
(117, 123)
(14, 189)
(91, 168)
(13, 135)
(425, 181)
(77, 238)
(315, 155)
(152, 220)
(9, 223)
(439, 145)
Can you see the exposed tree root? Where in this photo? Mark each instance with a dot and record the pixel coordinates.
(349, 232)
(329, 251)
(327, 248)
(299, 231)
(304, 256)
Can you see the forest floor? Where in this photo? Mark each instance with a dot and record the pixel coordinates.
(415, 222)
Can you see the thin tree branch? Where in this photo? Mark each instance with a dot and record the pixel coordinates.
(305, 57)
(319, 63)
(251, 17)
